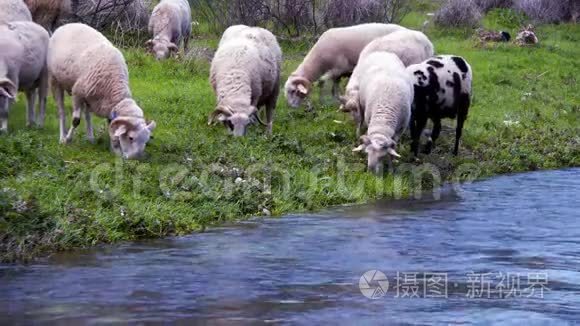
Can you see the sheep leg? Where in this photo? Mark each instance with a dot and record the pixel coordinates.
(59, 99)
(77, 108)
(335, 88)
(30, 101)
(270, 106)
(434, 135)
(186, 43)
(90, 132)
(42, 95)
(321, 84)
(463, 108)
(3, 115)
(417, 126)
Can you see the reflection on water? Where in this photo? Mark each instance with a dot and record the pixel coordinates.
(500, 238)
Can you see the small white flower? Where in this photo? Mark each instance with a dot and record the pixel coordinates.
(511, 123)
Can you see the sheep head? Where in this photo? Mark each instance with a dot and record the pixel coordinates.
(130, 135)
(162, 49)
(236, 122)
(377, 148)
(296, 90)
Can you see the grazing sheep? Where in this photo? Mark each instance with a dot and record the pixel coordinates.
(23, 67)
(84, 63)
(492, 36)
(410, 46)
(334, 56)
(48, 12)
(245, 75)
(386, 95)
(526, 36)
(442, 90)
(170, 22)
(14, 10)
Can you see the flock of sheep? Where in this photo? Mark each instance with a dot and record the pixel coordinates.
(396, 81)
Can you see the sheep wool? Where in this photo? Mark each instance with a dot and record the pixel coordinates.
(245, 75)
(14, 10)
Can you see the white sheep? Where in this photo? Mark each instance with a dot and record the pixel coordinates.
(245, 75)
(334, 56)
(386, 96)
(14, 10)
(442, 90)
(23, 67)
(48, 12)
(410, 46)
(84, 63)
(170, 23)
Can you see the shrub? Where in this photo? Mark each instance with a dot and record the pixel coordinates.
(293, 17)
(126, 15)
(458, 13)
(548, 11)
(339, 13)
(506, 18)
(486, 5)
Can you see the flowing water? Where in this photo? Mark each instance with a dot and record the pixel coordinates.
(505, 250)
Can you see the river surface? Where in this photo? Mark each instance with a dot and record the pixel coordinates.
(505, 250)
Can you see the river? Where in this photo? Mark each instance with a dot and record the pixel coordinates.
(505, 250)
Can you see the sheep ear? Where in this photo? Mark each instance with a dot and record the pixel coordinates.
(365, 139)
(221, 113)
(120, 131)
(119, 127)
(360, 148)
(149, 44)
(173, 47)
(151, 126)
(302, 89)
(8, 89)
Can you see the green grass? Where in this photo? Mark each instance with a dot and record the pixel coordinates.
(55, 197)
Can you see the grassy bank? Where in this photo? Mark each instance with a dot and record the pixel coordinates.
(524, 116)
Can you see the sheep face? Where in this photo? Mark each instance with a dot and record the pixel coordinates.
(237, 123)
(377, 149)
(297, 90)
(130, 136)
(161, 49)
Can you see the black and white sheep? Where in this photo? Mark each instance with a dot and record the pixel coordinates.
(442, 90)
